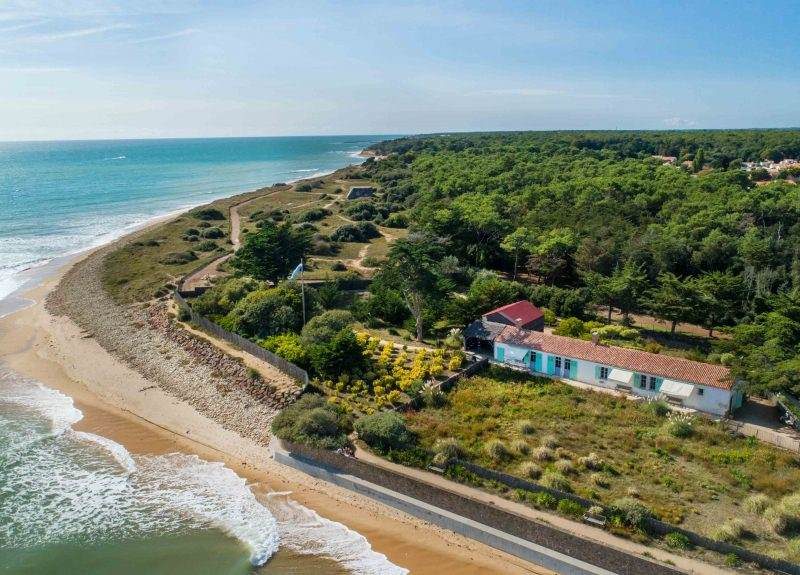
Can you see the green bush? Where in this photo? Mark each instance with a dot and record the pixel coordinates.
(384, 431)
(497, 450)
(288, 346)
(360, 232)
(571, 326)
(342, 354)
(630, 512)
(554, 480)
(544, 500)
(320, 329)
(212, 233)
(206, 246)
(313, 215)
(677, 540)
(208, 214)
(178, 258)
(312, 421)
(569, 507)
(657, 407)
(449, 448)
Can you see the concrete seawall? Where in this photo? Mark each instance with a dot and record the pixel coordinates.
(624, 564)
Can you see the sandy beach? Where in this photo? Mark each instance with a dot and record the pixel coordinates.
(120, 403)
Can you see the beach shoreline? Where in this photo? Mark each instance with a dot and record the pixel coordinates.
(121, 404)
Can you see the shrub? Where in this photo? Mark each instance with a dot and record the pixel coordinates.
(727, 358)
(525, 427)
(497, 450)
(434, 398)
(599, 479)
(565, 466)
(569, 507)
(338, 266)
(520, 446)
(677, 540)
(212, 233)
(530, 470)
(203, 225)
(396, 220)
(208, 214)
(313, 215)
(320, 329)
(206, 246)
(592, 461)
(184, 314)
(732, 559)
(730, 531)
(178, 258)
(449, 447)
(783, 517)
(384, 431)
(312, 421)
(550, 441)
(571, 326)
(657, 407)
(360, 232)
(630, 512)
(543, 454)
(555, 480)
(756, 503)
(544, 499)
(632, 491)
(653, 347)
(549, 316)
(288, 346)
(680, 425)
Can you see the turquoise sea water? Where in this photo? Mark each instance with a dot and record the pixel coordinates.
(75, 503)
(58, 198)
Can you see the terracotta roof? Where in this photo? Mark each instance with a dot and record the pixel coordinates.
(631, 359)
(520, 312)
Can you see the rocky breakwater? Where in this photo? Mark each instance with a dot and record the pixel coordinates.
(148, 340)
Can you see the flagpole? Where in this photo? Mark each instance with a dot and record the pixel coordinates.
(303, 289)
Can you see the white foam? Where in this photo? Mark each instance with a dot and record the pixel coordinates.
(304, 170)
(305, 531)
(52, 404)
(117, 451)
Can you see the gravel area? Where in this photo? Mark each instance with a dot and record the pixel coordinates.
(187, 367)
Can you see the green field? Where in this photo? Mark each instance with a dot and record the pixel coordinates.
(698, 482)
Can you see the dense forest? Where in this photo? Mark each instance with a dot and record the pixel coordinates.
(581, 221)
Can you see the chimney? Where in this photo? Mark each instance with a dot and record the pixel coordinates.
(595, 338)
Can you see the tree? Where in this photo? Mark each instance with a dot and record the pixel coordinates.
(626, 287)
(601, 290)
(271, 252)
(673, 300)
(518, 241)
(719, 298)
(551, 258)
(699, 160)
(411, 264)
(342, 354)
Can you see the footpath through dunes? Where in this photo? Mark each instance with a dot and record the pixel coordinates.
(182, 364)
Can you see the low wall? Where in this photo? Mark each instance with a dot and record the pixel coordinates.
(209, 326)
(539, 534)
(654, 526)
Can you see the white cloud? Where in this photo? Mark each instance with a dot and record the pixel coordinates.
(69, 34)
(677, 122)
(177, 34)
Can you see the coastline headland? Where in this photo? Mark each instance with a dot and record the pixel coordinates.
(156, 388)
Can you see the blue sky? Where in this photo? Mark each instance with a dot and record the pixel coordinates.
(183, 68)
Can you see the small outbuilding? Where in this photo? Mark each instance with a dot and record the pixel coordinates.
(522, 314)
(357, 192)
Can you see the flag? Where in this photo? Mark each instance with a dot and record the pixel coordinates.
(297, 271)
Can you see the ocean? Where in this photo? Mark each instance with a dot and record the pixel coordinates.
(73, 502)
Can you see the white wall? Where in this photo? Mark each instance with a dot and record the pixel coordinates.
(714, 400)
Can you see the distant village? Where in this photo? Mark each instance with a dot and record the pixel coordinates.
(787, 168)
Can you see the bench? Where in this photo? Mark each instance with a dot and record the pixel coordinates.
(597, 520)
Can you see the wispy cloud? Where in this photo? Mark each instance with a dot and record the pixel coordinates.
(70, 34)
(534, 92)
(160, 37)
(677, 122)
(525, 92)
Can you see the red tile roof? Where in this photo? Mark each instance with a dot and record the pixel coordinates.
(631, 359)
(520, 312)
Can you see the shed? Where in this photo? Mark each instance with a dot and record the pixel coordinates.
(360, 192)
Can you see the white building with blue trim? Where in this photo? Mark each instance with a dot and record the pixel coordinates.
(682, 382)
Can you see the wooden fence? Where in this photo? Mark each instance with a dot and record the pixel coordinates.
(244, 344)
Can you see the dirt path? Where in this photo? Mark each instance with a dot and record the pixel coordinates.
(203, 277)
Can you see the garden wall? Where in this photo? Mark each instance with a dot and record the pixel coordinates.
(281, 364)
(485, 514)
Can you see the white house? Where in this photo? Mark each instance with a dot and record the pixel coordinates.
(692, 384)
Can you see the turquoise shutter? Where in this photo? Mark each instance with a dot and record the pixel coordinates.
(551, 365)
(659, 381)
(573, 369)
(537, 362)
(526, 358)
(597, 372)
(500, 353)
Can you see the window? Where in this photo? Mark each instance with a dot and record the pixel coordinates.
(700, 391)
(653, 382)
(642, 381)
(558, 363)
(604, 372)
(567, 364)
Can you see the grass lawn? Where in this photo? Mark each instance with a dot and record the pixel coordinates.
(699, 482)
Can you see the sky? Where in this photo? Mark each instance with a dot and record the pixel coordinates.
(85, 69)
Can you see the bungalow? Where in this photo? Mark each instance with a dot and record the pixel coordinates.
(691, 384)
(481, 333)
